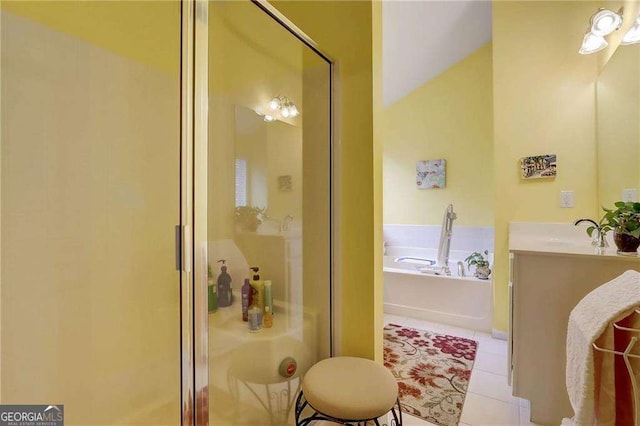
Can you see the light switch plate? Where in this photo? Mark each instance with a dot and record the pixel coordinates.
(566, 198)
(630, 195)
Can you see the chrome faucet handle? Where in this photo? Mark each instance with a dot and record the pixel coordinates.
(600, 239)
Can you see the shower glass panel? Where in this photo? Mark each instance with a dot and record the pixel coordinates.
(269, 203)
(90, 189)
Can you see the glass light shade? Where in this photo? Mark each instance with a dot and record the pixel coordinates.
(591, 44)
(633, 35)
(605, 22)
(274, 104)
(293, 111)
(269, 118)
(284, 111)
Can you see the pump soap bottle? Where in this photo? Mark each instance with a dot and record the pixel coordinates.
(258, 289)
(225, 295)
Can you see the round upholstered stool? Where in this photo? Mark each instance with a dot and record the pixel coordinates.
(348, 390)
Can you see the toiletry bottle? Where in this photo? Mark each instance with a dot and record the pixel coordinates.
(258, 287)
(268, 296)
(224, 286)
(268, 317)
(247, 299)
(255, 319)
(212, 291)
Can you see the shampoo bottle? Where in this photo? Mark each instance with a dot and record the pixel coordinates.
(258, 289)
(225, 296)
(247, 299)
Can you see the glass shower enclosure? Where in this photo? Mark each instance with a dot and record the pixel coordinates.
(268, 207)
(143, 172)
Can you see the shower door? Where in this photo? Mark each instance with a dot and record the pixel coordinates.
(90, 302)
(265, 192)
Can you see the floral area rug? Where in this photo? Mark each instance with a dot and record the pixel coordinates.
(432, 370)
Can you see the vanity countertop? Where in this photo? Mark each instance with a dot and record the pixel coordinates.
(559, 239)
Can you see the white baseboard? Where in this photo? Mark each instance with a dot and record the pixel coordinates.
(470, 323)
(501, 335)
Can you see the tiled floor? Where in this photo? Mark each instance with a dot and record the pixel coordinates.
(489, 401)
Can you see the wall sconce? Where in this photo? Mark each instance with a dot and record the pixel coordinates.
(278, 106)
(633, 34)
(602, 23)
(284, 106)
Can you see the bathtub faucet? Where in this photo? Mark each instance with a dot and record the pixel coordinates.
(444, 247)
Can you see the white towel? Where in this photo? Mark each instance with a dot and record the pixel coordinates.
(587, 322)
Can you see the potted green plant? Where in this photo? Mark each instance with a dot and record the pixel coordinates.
(624, 220)
(249, 217)
(481, 262)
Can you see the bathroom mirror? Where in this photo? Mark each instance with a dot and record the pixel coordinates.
(268, 164)
(618, 125)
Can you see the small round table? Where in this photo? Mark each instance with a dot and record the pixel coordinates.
(348, 390)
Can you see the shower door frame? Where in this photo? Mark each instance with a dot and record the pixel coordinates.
(194, 159)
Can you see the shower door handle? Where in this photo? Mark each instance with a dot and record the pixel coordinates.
(178, 247)
(183, 248)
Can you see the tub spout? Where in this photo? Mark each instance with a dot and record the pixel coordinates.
(461, 272)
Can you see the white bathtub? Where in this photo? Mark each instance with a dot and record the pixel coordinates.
(459, 301)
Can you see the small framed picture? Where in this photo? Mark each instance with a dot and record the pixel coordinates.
(538, 166)
(431, 173)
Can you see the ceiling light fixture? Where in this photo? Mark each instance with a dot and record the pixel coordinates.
(592, 44)
(633, 34)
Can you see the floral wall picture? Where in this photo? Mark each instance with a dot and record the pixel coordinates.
(538, 166)
(431, 173)
(285, 183)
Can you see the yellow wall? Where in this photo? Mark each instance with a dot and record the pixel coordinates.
(133, 29)
(343, 29)
(90, 196)
(378, 238)
(449, 117)
(543, 104)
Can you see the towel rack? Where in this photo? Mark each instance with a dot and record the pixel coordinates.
(627, 356)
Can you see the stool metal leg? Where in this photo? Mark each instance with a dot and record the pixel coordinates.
(397, 417)
(301, 404)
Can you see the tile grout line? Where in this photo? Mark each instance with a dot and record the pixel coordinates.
(495, 399)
